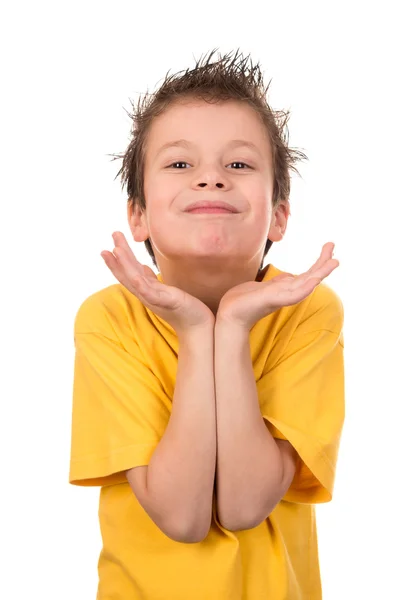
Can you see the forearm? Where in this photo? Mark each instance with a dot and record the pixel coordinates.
(182, 469)
(249, 465)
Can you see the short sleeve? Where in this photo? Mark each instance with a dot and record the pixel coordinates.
(119, 411)
(302, 401)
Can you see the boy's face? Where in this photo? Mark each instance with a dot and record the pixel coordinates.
(208, 169)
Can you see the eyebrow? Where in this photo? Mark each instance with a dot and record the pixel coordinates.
(188, 144)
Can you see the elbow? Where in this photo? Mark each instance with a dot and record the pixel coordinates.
(187, 535)
(243, 523)
(190, 538)
(238, 524)
(241, 526)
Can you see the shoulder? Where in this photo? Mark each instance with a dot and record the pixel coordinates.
(105, 311)
(322, 310)
(325, 308)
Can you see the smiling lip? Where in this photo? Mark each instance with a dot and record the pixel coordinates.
(211, 206)
(213, 210)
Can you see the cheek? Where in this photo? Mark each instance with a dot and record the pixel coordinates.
(260, 189)
(163, 191)
(263, 205)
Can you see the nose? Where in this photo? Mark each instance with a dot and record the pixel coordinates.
(216, 185)
(210, 177)
(213, 180)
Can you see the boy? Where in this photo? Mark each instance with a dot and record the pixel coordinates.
(208, 399)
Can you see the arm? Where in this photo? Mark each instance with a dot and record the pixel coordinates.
(253, 469)
(179, 490)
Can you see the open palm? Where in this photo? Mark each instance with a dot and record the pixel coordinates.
(248, 302)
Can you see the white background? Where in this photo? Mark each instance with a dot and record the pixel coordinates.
(344, 71)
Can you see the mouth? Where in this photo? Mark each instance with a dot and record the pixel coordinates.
(211, 211)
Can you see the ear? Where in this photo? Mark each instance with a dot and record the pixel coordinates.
(137, 221)
(279, 221)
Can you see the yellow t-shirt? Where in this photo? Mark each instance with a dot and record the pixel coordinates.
(124, 377)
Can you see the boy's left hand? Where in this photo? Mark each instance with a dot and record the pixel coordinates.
(247, 303)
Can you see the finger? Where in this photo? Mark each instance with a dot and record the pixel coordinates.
(134, 277)
(114, 265)
(323, 271)
(145, 271)
(132, 267)
(292, 295)
(127, 254)
(325, 256)
(120, 240)
(137, 286)
(132, 270)
(311, 278)
(117, 263)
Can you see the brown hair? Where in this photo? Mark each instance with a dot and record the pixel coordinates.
(227, 79)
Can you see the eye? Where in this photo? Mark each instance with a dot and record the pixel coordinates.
(178, 162)
(238, 162)
(181, 162)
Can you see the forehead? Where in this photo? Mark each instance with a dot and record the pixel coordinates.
(199, 122)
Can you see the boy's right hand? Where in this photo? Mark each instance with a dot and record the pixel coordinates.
(181, 310)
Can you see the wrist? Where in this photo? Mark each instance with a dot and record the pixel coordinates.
(230, 327)
(196, 333)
